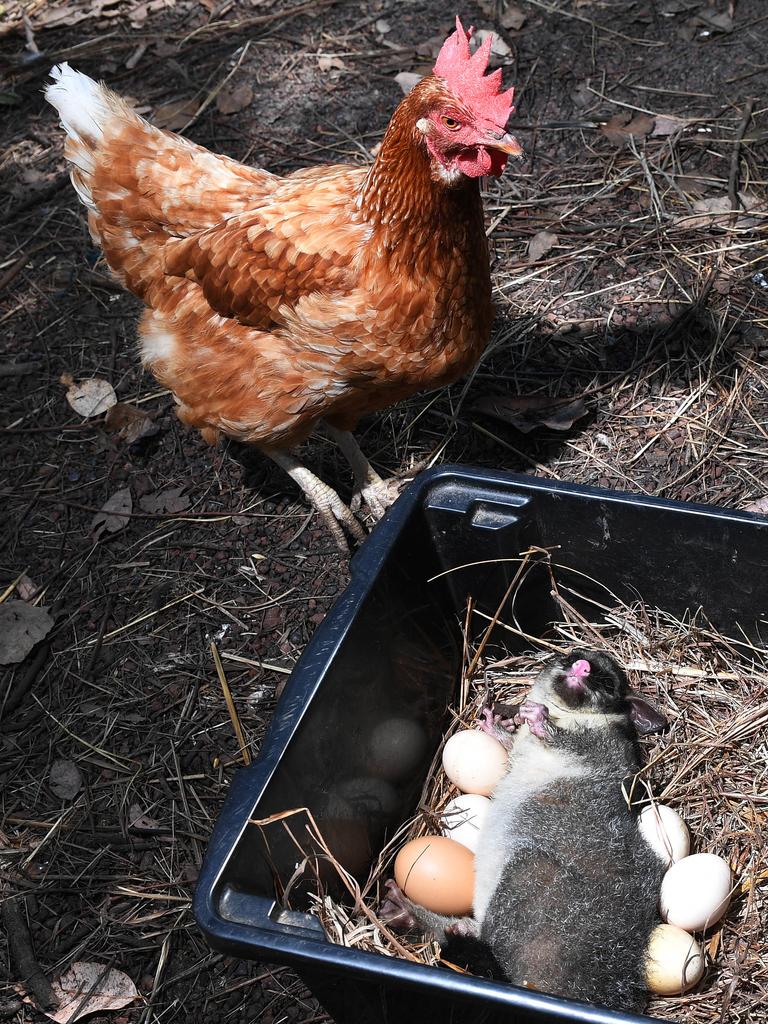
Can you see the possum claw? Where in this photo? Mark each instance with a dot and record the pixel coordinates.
(487, 721)
(466, 927)
(537, 718)
(396, 910)
(496, 726)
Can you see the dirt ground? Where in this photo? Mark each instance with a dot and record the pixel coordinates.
(630, 351)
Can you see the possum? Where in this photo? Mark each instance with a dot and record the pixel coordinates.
(566, 888)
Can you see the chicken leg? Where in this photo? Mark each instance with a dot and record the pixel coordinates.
(377, 494)
(332, 509)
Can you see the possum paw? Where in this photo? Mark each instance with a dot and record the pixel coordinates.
(536, 716)
(396, 910)
(465, 928)
(497, 726)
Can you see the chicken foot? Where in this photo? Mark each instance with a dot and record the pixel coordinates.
(377, 494)
(332, 509)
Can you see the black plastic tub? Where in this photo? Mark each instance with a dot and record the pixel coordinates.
(390, 649)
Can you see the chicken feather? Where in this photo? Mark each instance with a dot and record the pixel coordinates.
(277, 303)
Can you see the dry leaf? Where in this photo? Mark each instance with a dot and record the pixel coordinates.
(724, 282)
(406, 80)
(90, 397)
(431, 47)
(26, 588)
(582, 95)
(714, 20)
(130, 423)
(498, 47)
(666, 124)
(140, 821)
(48, 16)
(760, 506)
(234, 99)
(691, 186)
(65, 779)
(90, 988)
(669, 8)
(174, 115)
(169, 501)
(623, 126)
(114, 514)
(540, 245)
(513, 18)
(326, 63)
(716, 212)
(527, 412)
(21, 627)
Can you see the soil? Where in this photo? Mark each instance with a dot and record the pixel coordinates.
(630, 353)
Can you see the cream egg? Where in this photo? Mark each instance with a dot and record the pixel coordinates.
(666, 832)
(474, 761)
(463, 817)
(696, 891)
(437, 873)
(674, 961)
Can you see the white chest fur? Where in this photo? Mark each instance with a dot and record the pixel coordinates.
(532, 767)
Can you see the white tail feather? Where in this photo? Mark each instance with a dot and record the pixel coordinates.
(85, 108)
(82, 104)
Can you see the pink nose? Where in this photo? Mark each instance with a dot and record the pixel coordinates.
(580, 668)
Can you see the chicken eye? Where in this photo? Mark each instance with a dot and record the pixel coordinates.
(451, 123)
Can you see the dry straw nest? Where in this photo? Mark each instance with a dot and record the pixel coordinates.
(711, 765)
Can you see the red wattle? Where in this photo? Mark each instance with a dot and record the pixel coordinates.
(474, 161)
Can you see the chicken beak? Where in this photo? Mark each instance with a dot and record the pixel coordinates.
(504, 143)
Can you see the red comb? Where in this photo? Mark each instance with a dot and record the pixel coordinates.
(464, 73)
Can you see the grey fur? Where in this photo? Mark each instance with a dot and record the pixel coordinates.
(566, 889)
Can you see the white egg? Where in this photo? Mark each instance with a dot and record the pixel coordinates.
(696, 891)
(474, 761)
(463, 817)
(665, 831)
(674, 961)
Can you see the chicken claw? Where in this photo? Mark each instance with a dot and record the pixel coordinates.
(332, 509)
(370, 489)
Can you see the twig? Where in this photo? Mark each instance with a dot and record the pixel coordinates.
(217, 88)
(733, 177)
(12, 586)
(244, 752)
(22, 953)
(282, 669)
(100, 638)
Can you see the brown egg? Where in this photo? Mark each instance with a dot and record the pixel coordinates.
(438, 873)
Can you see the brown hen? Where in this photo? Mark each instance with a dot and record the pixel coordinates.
(275, 304)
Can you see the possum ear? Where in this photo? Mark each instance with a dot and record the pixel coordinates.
(645, 717)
